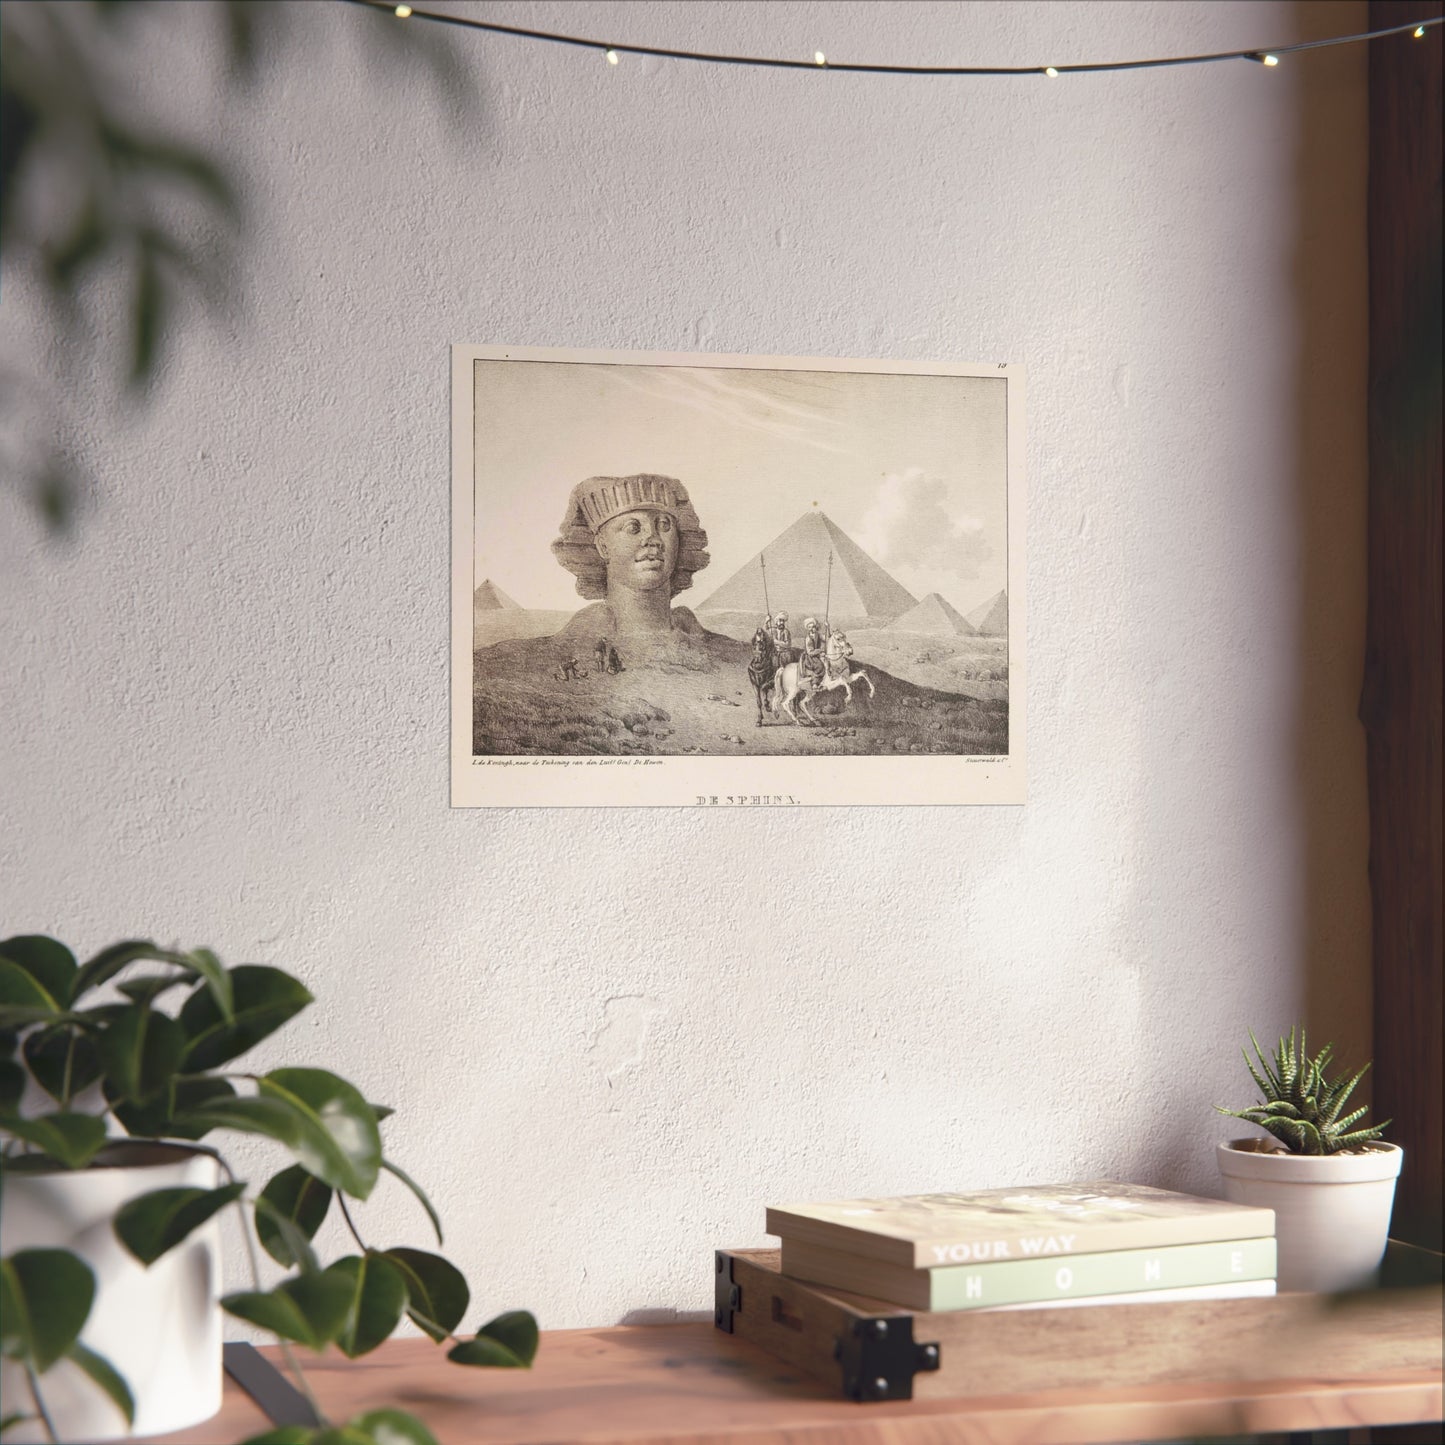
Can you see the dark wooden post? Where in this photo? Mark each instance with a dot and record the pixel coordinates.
(1400, 703)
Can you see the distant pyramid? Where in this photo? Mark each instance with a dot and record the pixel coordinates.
(991, 618)
(934, 616)
(490, 598)
(798, 582)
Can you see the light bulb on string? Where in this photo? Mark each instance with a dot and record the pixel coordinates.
(1260, 57)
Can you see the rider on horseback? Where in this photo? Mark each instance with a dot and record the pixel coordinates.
(782, 638)
(812, 660)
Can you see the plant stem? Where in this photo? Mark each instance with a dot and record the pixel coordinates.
(39, 1403)
(69, 1069)
(346, 1215)
(292, 1363)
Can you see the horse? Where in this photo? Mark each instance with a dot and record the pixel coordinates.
(762, 667)
(791, 684)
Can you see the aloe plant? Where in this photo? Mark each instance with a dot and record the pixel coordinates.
(169, 1073)
(1302, 1108)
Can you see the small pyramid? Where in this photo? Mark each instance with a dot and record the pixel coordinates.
(990, 618)
(799, 581)
(935, 616)
(490, 598)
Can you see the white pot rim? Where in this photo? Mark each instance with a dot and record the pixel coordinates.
(115, 1153)
(1254, 1158)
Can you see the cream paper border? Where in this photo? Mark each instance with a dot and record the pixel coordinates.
(715, 781)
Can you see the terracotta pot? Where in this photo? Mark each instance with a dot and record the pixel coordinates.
(1331, 1211)
(160, 1327)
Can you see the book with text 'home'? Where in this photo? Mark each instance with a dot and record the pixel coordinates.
(926, 1231)
(1031, 1281)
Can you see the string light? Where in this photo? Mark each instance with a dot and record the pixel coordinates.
(1257, 54)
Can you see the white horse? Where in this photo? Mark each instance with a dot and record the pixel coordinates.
(791, 684)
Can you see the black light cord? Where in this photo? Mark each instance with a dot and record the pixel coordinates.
(613, 49)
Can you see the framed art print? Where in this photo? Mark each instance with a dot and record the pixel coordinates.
(683, 580)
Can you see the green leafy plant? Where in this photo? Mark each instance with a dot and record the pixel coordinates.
(1302, 1108)
(159, 1074)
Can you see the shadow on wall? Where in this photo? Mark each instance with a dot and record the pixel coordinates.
(92, 189)
(1331, 306)
(1327, 831)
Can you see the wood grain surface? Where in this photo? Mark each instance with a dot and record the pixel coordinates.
(695, 1385)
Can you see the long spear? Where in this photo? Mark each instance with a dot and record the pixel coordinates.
(828, 600)
(763, 563)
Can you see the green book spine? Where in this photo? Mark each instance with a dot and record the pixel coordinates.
(1027, 1281)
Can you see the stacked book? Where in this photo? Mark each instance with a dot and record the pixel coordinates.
(1031, 1247)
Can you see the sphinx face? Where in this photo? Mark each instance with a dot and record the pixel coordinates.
(640, 550)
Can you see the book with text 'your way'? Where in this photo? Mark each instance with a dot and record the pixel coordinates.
(927, 1231)
(1032, 1281)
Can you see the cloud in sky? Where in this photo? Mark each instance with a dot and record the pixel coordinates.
(729, 397)
(911, 525)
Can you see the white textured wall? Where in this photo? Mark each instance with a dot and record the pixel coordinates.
(612, 1037)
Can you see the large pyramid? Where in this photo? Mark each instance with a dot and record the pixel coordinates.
(991, 618)
(933, 616)
(798, 579)
(490, 598)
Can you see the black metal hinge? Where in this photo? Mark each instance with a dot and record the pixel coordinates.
(880, 1358)
(727, 1296)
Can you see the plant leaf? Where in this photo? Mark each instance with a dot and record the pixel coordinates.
(507, 1342)
(104, 1374)
(12, 1086)
(47, 1052)
(392, 1427)
(141, 1051)
(210, 968)
(109, 962)
(11, 1421)
(73, 1139)
(23, 999)
(340, 1143)
(437, 1293)
(51, 964)
(46, 1296)
(416, 1189)
(298, 1197)
(310, 1310)
(378, 1296)
(151, 1224)
(148, 989)
(264, 998)
(296, 1243)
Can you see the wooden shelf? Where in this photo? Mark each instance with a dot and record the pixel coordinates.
(694, 1385)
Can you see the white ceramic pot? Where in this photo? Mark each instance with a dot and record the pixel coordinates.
(1331, 1211)
(160, 1327)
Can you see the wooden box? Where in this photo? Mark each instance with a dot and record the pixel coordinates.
(871, 1350)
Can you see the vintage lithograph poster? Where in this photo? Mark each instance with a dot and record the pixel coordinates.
(705, 581)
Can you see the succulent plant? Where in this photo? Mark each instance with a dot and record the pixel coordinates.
(1301, 1107)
